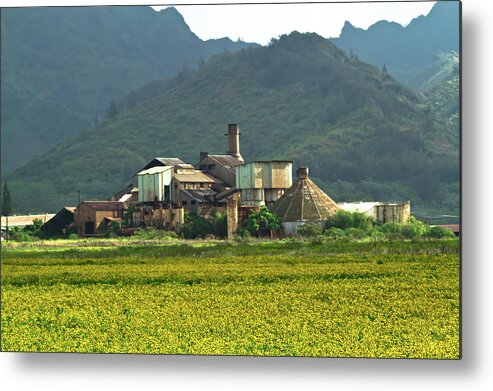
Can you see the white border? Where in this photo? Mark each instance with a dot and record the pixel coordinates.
(473, 372)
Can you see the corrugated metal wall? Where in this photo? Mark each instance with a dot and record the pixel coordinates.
(151, 185)
(264, 175)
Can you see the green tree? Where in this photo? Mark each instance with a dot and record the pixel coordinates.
(6, 206)
(343, 220)
(196, 226)
(261, 223)
(112, 109)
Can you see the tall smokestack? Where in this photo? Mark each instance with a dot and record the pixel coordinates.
(234, 141)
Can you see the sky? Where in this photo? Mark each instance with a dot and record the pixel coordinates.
(260, 23)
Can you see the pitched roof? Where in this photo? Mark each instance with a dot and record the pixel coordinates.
(304, 201)
(170, 161)
(154, 170)
(105, 205)
(163, 161)
(197, 176)
(226, 160)
(199, 195)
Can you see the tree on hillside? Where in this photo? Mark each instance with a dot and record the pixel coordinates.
(112, 109)
(6, 206)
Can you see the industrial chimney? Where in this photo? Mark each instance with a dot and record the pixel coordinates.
(234, 141)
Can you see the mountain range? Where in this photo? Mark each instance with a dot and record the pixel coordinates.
(61, 67)
(363, 134)
(405, 50)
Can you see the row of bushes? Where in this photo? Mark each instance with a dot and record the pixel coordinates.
(344, 226)
(357, 226)
(28, 233)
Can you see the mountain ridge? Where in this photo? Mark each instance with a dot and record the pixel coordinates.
(362, 134)
(61, 66)
(405, 49)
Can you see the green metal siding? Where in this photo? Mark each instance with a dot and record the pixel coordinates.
(151, 185)
(264, 175)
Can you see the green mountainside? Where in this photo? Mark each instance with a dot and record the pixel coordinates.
(440, 68)
(405, 50)
(363, 135)
(422, 56)
(443, 98)
(61, 66)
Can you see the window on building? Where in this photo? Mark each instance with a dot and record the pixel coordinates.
(184, 203)
(202, 185)
(193, 202)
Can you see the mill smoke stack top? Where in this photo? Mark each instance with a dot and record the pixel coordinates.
(234, 141)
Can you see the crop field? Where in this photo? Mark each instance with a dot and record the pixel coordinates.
(277, 298)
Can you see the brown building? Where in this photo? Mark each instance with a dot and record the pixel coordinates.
(90, 216)
(58, 224)
(190, 185)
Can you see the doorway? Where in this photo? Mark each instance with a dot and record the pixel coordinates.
(89, 228)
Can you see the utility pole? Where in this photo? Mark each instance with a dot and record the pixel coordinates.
(78, 197)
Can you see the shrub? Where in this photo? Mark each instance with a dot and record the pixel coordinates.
(439, 232)
(356, 233)
(391, 228)
(220, 224)
(34, 229)
(244, 233)
(310, 230)
(23, 236)
(414, 229)
(344, 220)
(335, 234)
(196, 226)
(154, 234)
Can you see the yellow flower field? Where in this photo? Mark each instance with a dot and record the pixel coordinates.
(275, 299)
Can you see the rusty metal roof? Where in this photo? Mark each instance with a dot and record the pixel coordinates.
(197, 176)
(105, 205)
(199, 195)
(304, 201)
(226, 160)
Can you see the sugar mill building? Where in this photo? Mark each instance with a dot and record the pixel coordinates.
(166, 187)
